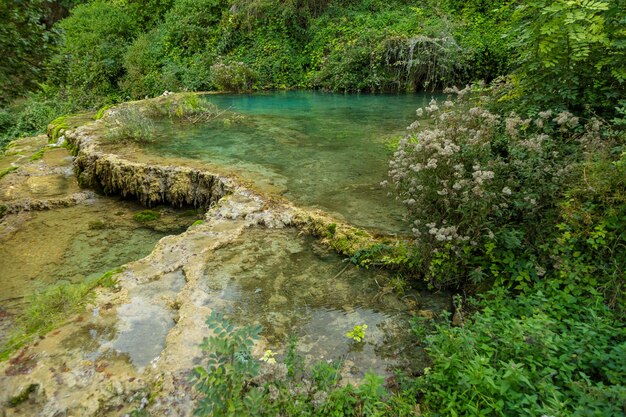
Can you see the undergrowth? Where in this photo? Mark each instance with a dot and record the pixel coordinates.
(234, 383)
(542, 353)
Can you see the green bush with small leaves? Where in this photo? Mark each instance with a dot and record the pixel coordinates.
(234, 76)
(544, 353)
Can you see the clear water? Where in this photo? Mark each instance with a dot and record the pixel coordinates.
(321, 150)
(76, 243)
(292, 287)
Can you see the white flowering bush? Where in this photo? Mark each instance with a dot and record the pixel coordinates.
(477, 184)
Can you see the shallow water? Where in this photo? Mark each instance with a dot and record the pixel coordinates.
(292, 287)
(321, 150)
(76, 243)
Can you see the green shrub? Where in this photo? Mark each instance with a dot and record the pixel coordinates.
(25, 42)
(588, 247)
(29, 116)
(188, 108)
(398, 48)
(537, 354)
(146, 71)
(89, 63)
(571, 53)
(234, 76)
(234, 383)
(230, 365)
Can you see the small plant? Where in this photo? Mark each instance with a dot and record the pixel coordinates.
(38, 155)
(234, 384)
(23, 396)
(100, 113)
(189, 108)
(56, 128)
(49, 308)
(268, 357)
(108, 279)
(223, 382)
(357, 333)
(145, 216)
(326, 375)
(293, 360)
(128, 123)
(399, 284)
(197, 223)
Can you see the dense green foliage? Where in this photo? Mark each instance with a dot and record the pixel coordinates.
(106, 52)
(521, 187)
(572, 53)
(485, 191)
(90, 59)
(23, 39)
(27, 39)
(541, 353)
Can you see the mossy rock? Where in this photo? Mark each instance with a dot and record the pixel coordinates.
(60, 125)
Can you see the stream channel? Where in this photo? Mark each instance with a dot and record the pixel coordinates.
(317, 150)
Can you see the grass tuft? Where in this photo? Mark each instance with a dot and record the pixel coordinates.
(49, 308)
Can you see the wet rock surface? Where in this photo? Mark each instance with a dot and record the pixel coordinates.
(149, 331)
(135, 345)
(42, 177)
(150, 183)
